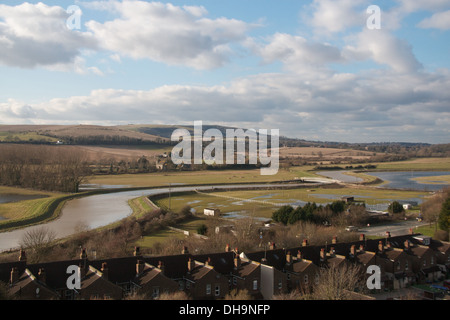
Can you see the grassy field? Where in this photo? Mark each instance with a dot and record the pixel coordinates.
(434, 180)
(230, 201)
(25, 208)
(161, 236)
(421, 164)
(200, 177)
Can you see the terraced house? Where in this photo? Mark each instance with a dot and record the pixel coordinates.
(403, 260)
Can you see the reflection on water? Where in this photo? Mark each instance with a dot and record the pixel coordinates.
(404, 180)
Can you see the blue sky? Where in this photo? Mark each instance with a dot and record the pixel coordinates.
(312, 69)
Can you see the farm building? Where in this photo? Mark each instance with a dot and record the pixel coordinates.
(211, 212)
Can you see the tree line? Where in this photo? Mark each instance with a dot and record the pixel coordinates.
(42, 167)
(335, 213)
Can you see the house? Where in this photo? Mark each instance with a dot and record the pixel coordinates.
(424, 262)
(151, 282)
(202, 282)
(246, 275)
(26, 286)
(395, 265)
(302, 274)
(96, 286)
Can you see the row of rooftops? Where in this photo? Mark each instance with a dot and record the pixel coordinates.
(229, 262)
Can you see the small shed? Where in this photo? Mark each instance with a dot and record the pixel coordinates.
(212, 212)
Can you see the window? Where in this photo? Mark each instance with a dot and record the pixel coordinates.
(280, 284)
(255, 284)
(306, 279)
(208, 289)
(424, 262)
(406, 265)
(317, 279)
(432, 260)
(398, 265)
(217, 290)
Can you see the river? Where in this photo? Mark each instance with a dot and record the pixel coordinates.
(100, 210)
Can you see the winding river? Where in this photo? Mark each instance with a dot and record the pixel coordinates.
(103, 209)
(100, 210)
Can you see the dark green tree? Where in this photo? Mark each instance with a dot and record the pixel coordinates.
(395, 208)
(444, 216)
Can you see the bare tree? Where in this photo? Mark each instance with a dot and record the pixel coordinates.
(37, 241)
(337, 283)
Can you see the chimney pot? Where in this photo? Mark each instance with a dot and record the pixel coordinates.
(334, 240)
(362, 237)
(137, 251)
(388, 234)
(227, 248)
(305, 242)
(299, 255)
(272, 246)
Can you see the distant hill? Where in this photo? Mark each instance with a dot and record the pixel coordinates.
(160, 135)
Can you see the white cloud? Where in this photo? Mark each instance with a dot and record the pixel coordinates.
(296, 52)
(341, 107)
(384, 48)
(332, 16)
(440, 20)
(35, 35)
(169, 34)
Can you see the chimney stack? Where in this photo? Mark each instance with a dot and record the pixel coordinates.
(299, 255)
(140, 267)
(380, 247)
(227, 248)
(334, 240)
(407, 245)
(361, 248)
(161, 266)
(83, 254)
(411, 231)
(191, 265)
(41, 275)
(83, 269)
(185, 250)
(388, 234)
(272, 246)
(305, 242)
(105, 270)
(14, 275)
(237, 262)
(353, 250)
(323, 255)
(362, 237)
(137, 251)
(288, 258)
(208, 262)
(22, 256)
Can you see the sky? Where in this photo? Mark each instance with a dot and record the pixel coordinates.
(323, 70)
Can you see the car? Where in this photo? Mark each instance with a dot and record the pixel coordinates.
(351, 228)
